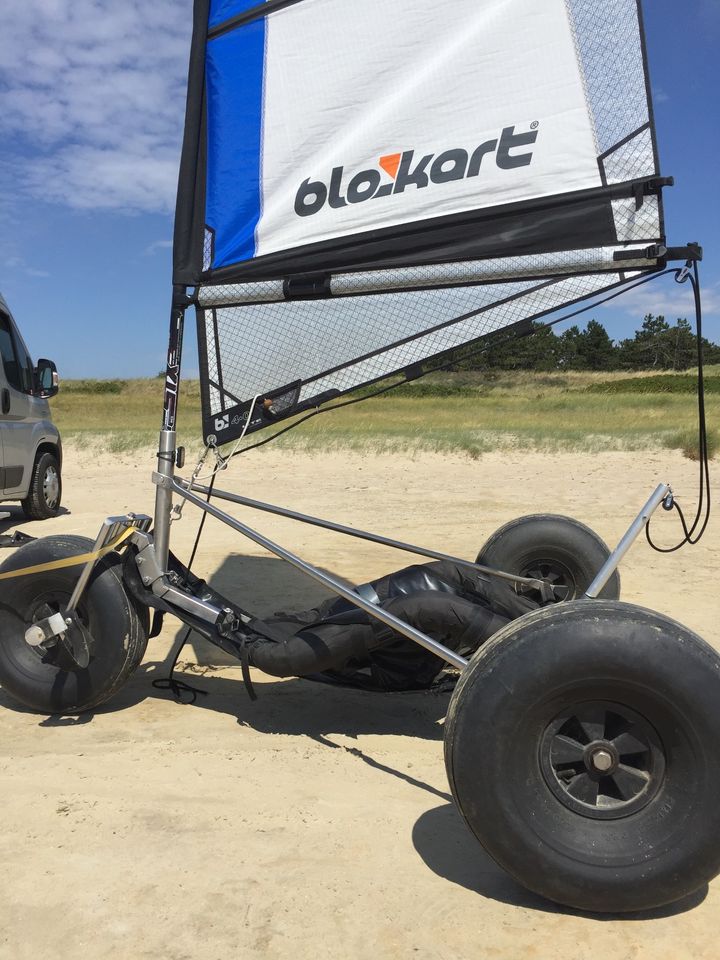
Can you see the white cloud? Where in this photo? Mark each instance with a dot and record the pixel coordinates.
(156, 245)
(669, 299)
(18, 265)
(92, 100)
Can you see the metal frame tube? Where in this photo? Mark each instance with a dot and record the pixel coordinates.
(359, 534)
(330, 582)
(163, 498)
(166, 448)
(634, 530)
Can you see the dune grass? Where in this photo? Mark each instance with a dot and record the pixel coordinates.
(469, 413)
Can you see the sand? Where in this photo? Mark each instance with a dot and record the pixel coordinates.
(315, 822)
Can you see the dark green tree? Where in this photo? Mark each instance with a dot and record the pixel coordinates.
(649, 349)
(595, 349)
(568, 351)
(683, 343)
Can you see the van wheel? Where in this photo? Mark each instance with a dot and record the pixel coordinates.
(43, 499)
(582, 746)
(114, 628)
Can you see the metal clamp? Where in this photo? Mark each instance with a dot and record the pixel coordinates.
(160, 480)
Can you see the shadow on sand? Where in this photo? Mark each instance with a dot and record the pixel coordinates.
(443, 841)
(17, 517)
(303, 708)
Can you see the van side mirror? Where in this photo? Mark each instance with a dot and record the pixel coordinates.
(46, 378)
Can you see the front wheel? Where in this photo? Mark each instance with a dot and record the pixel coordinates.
(582, 747)
(114, 626)
(45, 491)
(557, 549)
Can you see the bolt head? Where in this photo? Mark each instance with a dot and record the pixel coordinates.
(34, 636)
(602, 761)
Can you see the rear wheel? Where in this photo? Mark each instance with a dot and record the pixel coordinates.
(45, 491)
(114, 629)
(558, 549)
(583, 749)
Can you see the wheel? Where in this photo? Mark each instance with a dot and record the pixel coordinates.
(547, 547)
(115, 626)
(582, 746)
(45, 492)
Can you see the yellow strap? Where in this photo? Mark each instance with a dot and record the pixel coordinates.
(69, 561)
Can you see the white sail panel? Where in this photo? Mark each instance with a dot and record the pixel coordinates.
(380, 95)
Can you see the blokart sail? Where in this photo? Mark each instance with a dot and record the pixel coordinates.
(365, 187)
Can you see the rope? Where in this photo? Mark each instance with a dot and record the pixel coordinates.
(693, 533)
(81, 558)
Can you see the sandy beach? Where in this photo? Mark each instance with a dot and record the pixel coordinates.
(316, 822)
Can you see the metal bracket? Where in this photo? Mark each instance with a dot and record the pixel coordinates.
(661, 494)
(160, 583)
(162, 481)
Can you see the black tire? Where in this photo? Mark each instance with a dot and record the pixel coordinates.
(117, 625)
(549, 547)
(45, 491)
(523, 777)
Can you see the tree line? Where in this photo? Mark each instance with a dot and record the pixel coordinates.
(655, 346)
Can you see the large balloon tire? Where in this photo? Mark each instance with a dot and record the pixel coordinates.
(529, 781)
(551, 547)
(117, 624)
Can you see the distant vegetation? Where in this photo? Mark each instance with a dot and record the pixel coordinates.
(571, 391)
(466, 411)
(655, 346)
(93, 386)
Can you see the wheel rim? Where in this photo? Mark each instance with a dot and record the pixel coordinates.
(51, 487)
(45, 605)
(556, 573)
(602, 760)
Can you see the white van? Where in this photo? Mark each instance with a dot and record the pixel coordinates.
(30, 447)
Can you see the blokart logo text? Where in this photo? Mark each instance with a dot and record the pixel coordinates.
(405, 171)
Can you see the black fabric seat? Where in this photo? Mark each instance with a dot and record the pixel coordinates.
(456, 606)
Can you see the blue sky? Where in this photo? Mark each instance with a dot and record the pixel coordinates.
(91, 109)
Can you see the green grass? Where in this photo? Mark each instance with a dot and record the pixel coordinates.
(121, 415)
(657, 383)
(469, 413)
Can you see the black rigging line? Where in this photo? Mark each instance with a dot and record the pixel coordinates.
(692, 535)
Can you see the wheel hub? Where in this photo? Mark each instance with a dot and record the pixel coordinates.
(51, 487)
(72, 649)
(602, 760)
(553, 572)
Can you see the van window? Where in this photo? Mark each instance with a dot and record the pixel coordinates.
(15, 359)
